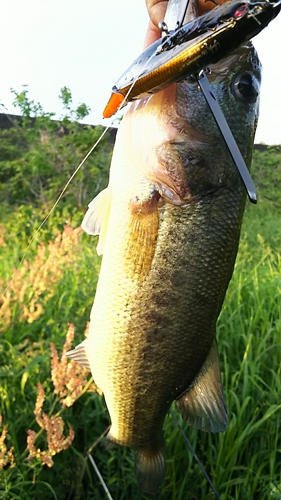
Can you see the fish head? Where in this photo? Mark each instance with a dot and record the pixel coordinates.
(235, 83)
(172, 135)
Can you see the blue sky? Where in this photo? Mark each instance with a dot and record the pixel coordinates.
(86, 45)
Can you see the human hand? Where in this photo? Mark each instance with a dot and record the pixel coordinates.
(156, 10)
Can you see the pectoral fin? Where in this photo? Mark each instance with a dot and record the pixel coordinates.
(203, 405)
(79, 354)
(96, 218)
(141, 236)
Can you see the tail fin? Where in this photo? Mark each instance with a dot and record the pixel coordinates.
(150, 469)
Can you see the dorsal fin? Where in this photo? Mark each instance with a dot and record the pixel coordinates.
(203, 405)
(79, 354)
(96, 218)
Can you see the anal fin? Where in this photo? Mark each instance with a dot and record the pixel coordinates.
(79, 354)
(203, 405)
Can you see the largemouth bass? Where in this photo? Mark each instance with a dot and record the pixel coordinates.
(169, 225)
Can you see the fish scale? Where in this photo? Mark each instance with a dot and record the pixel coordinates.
(142, 336)
(169, 225)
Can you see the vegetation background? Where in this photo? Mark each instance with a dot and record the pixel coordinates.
(51, 417)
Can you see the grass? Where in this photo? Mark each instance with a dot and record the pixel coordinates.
(244, 462)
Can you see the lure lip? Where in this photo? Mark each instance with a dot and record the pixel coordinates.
(190, 48)
(114, 103)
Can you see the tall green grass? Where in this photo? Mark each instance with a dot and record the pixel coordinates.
(244, 462)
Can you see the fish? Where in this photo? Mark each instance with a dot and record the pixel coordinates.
(169, 225)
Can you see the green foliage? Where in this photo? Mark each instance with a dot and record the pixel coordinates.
(38, 156)
(79, 113)
(244, 462)
(266, 169)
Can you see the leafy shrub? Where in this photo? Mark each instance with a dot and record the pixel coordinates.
(38, 155)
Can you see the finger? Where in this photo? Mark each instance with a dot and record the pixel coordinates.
(152, 34)
(156, 10)
(206, 5)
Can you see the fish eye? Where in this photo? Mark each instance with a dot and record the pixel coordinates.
(246, 87)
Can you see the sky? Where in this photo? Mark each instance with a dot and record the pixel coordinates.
(86, 45)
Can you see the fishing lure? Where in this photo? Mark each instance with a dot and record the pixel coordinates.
(189, 48)
(186, 51)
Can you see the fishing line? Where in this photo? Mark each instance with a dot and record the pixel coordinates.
(120, 107)
(98, 440)
(194, 454)
(100, 476)
(54, 206)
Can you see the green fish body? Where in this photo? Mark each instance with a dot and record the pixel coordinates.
(169, 225)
